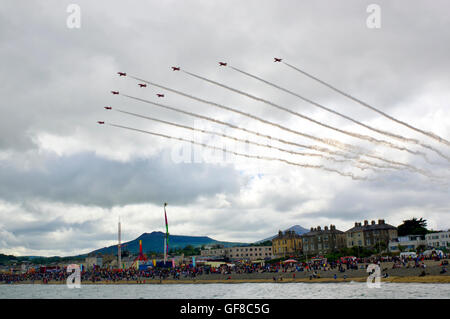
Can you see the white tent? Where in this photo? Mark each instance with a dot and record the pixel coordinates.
(430, 252)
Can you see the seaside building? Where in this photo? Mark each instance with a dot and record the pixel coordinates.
(407, 243)
(90, 262)
(320, 241)
(285, 244)
(240, 252)
(369, 235)
(438, 240)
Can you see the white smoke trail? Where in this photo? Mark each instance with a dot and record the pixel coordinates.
(330, 142)
(390, 134)
(259, 144)
(429, 134)
(312, 147)
(356, 135)
(345, 174)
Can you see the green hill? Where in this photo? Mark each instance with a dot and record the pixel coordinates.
(154, 242)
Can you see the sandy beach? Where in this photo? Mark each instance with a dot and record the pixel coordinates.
(397, 275)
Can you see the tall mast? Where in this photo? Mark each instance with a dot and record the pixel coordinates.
(119, 254)
(166, 237)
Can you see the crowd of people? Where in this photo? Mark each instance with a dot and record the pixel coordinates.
(313, 267)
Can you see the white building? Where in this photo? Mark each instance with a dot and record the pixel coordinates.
(409, 243)
(438, 240)
(247, 252)
(90, 262)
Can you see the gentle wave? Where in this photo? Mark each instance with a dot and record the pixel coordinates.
(350, 290)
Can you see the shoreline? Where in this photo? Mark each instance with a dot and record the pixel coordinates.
(393, 279)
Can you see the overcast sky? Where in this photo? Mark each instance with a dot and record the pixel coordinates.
(65, 180)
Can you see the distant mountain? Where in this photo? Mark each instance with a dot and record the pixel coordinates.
(154, 241)
(297, 228)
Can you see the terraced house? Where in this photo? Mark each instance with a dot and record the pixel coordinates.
(438, 240)
(240, 252)
(320, 241)
(285, 244)
(369, 235)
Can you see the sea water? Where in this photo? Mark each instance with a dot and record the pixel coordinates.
(231, 291)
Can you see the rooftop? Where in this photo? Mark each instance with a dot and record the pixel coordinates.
(319, 231)
(372, 226)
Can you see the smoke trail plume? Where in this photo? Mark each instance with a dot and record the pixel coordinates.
(390, 134)
(312, 147)
(334, 143)
(371, 165)
(346, 174)
(330, 142)
(429, 134)
(203, 117)
(356, 135)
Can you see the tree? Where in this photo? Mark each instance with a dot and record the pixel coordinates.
(413, 226)
(263, 243)
(421, 248)
(381, 246)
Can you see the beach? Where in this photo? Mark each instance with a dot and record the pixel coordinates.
(396, 275)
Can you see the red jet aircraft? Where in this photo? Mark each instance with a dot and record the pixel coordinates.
(115, 92)
(222, 64)
(122, 74)
(175, 68)
(100, 122)
(108, 107)
(142, 85)
(277, 60)
(160, 95)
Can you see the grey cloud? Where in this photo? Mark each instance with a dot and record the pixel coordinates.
(56, 81)
(352, 204)
(90, 180)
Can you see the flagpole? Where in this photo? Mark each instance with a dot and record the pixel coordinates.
(119, 251)
(165, 256)
(166, 236)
